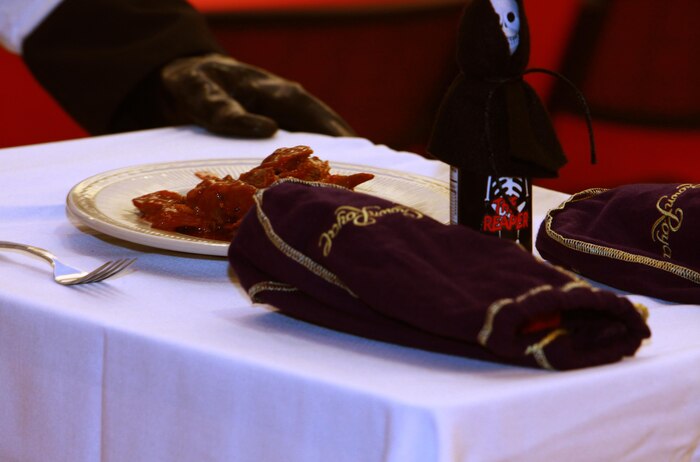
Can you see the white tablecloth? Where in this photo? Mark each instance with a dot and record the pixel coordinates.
(173, 363)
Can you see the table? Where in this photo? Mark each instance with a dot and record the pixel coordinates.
(173, 363)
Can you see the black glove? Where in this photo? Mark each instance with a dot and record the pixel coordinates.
(231, 98)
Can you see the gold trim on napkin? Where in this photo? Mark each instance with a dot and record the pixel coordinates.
(609, 252)
(498, 305)
(290, 251)
(269, 286)
(537, 349)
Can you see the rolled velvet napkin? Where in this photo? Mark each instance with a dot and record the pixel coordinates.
(366, 266)
(642, 238)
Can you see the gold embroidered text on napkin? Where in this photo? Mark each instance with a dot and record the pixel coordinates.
(365, 216)
(670, 220)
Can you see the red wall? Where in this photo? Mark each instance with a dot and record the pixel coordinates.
(28, 115)
(386, 73)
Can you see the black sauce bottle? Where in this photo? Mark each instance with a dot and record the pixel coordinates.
(494, 205)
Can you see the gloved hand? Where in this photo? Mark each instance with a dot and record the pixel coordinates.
(228, 97)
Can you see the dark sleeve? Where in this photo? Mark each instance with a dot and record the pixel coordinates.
(100, 58)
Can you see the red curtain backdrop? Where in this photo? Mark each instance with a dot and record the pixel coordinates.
(385, 70)
(638, 64)
(383, 64)
(646, 62)
(28, 115)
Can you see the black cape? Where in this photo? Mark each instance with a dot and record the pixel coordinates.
(491, 121)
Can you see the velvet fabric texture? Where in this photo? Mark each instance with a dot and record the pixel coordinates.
(642, 238)
(491, 121)
(365, 266)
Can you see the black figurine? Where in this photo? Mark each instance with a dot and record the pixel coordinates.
(491, 121)
(492, 127)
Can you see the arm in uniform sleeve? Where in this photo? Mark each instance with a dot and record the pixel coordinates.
(100, 59)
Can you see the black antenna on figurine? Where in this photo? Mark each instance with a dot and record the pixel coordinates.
(581, 99)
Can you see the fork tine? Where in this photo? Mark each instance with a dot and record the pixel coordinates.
(118, 268)
(101, 273)
(70, 279)
(96, 275)
(66, 275)
(107, 271)
(85, 278)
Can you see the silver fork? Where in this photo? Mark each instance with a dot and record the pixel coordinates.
(67, 276)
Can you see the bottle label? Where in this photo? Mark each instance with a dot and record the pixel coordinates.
(507, 210)
(495, 205)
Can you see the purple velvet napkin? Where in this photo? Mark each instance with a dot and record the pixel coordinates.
(642, 238)
(363, 265)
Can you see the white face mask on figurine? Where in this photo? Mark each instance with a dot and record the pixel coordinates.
(507, 11)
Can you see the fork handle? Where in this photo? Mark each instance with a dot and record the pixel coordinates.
(39, 252)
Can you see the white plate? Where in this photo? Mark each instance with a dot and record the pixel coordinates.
(103, 202)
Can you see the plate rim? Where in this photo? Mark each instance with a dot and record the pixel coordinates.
(88, 189)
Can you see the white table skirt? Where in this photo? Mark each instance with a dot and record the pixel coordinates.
(173, 363)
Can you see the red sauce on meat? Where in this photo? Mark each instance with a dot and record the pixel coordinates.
(215, 207)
